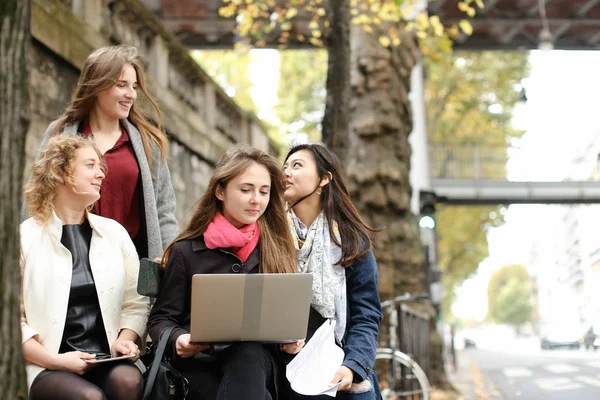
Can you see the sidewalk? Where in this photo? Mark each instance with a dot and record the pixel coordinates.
(468, 380)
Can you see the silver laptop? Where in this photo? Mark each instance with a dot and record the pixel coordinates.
(270, 308)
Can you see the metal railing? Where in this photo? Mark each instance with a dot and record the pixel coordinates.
(489, 161)
(413, 335)
(468, 161)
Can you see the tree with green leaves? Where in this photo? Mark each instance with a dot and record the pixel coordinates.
(15, 40)
(301, 92)
(509, 296)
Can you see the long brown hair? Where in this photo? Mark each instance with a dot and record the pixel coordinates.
(355, 234)
(101, 71)
(276, 245)
(54, 167)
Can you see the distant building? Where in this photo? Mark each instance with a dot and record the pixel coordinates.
(567, 278)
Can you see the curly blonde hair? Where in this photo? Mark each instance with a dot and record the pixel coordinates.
(55, 166)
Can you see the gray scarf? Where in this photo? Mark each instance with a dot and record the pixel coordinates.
(317, 255)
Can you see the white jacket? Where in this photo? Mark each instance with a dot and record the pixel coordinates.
(46, 271)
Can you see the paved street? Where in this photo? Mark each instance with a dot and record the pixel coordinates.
(527, 373)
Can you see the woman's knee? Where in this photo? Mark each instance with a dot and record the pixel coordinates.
(90, 393)
(126, 379)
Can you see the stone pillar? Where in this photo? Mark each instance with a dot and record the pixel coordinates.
(210, 104)
(90, 11)
(244, 134)
(158, 61)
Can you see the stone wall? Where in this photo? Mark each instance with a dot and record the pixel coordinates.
(201, 120)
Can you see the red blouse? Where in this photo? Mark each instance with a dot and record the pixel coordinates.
(120, 195)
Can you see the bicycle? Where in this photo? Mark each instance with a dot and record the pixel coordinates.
(400, 376)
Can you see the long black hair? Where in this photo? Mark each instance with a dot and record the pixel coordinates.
(335, 202)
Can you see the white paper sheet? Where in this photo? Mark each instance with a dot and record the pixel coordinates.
(311, 371)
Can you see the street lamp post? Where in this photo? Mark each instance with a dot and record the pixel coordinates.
(428, 234)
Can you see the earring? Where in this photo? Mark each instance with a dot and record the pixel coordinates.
(319, 191)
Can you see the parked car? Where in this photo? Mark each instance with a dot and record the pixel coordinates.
(561, 336)
(469, 343)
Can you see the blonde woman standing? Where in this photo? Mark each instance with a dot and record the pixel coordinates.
(137, 190)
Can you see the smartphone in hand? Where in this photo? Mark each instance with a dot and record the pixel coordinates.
(109, 359)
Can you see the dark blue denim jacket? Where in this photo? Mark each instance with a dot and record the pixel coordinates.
(363, 316)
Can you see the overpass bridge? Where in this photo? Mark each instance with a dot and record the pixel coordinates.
(475, 174)
(500, 25)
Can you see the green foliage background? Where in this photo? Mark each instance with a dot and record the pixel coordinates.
(509, 295)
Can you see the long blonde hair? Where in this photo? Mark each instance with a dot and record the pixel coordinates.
(54, 167)
(277, 248)
(101, 71)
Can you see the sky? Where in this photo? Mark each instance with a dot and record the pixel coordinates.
(264, 71)
(560, 117)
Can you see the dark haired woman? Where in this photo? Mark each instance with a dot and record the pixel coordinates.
(333, 244)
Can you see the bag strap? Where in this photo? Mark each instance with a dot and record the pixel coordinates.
(158, 357)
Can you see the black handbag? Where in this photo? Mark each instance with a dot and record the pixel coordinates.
(161, 380)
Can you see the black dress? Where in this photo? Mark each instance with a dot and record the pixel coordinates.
(84, 327)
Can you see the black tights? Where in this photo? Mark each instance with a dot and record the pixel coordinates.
(110, 381)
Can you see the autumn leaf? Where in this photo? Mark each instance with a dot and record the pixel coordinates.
(385, 41)
(437, 26)
(291, 13)
(316, 42)
(466, 26)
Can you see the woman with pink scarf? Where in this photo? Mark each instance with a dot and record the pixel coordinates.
(239, 226)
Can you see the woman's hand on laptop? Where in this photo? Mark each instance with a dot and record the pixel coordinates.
(186, 349)
(292, 348)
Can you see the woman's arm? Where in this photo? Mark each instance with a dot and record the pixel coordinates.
(35, 353)
(126, 344)
(73, 361)
(165, 201)
(135, 308)
(365, 316)
(171, 301)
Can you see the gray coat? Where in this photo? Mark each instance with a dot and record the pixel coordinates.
(159, 197)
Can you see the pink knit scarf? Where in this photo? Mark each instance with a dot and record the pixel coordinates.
(221, 234)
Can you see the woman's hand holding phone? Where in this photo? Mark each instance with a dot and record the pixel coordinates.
(74, 361)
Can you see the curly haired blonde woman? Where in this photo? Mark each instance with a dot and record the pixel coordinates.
(79, 273)
(137, 190)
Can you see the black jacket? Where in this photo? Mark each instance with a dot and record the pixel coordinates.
(187, 258)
